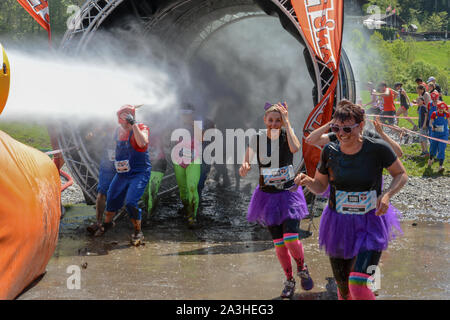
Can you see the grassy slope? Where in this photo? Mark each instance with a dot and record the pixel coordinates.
(434, 52)
(31, 134)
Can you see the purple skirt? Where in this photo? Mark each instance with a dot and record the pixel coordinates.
(345, 235)
(269, 209)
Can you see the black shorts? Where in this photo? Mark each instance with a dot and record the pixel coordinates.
(406, 106)
(288, 226)
(388, 120)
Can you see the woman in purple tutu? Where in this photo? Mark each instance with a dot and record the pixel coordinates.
(277, 202)
(359, 221)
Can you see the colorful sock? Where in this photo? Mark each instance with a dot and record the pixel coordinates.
(283, 257)
(358, 284)
(295, 248)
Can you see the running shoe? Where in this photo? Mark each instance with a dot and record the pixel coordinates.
(305, 279)
(137, 238)
(289, 289)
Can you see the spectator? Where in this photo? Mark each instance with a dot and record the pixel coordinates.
(376, 105)
(404, 104)
(437, 87)
(440, 121)
(422, 111)
(420, 82)
(388, 96)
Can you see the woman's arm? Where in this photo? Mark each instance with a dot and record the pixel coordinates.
(294, 143)
(398, 173)
(319, 136)
(317, 185)
(394, 145)
(245, 167)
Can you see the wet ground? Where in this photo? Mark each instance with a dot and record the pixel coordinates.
(224, 258)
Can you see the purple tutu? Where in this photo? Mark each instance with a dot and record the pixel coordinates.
(345, 235)
(269, 209)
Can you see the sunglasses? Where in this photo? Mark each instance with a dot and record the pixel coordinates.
(346, 129)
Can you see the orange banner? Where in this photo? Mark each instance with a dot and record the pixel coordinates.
(38, 9)
(321, 22)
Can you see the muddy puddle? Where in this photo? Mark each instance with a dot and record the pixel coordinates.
(225, 257)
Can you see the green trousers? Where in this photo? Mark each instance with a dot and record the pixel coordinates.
(151, 192)
(187, 180)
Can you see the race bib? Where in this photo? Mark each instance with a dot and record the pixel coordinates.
(355, 202)
(278, 177)
(439, 128)
(111, 154)
(122, 166)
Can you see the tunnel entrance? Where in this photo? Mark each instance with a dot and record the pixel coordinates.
(191, 28)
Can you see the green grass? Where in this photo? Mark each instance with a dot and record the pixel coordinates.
(436, 53)
(418, 166)
(32, 134)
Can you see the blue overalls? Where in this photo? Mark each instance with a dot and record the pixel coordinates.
(133, 173)
(441, 132)
(430, 112)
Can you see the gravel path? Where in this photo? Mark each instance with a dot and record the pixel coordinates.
(420, 199)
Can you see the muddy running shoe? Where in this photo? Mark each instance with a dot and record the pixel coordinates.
(103, 228)
(137, 238)
(289, 289)
(92, 228)
(305, 279)
(192, 222)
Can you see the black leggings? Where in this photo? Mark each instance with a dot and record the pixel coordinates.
(361, 263)
(288, 226)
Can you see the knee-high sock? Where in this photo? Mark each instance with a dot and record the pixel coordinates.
(349, 296)
(295, 248)
(283, 257)
(358, 284)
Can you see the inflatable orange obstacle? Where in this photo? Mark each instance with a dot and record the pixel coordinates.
(5, 75)
(30, 197)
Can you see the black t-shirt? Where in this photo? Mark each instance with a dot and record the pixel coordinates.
(403, 101)
(358, 172)
(285, 156)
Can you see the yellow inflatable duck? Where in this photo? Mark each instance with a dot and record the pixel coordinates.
(5, 76)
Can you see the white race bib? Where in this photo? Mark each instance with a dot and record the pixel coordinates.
(277, 176)
(355, 202)
(439, 128)
(122, 166)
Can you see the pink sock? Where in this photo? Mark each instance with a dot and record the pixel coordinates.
(358, 284)
(283, 257)
(295, 248)
(349, 296)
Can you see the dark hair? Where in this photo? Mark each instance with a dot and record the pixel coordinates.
(382, 84)
(398, 84)
(348, 111)
(421, 87)
(419, 79)
(343, 102)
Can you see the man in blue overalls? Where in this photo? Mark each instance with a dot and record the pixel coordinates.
(440, 121)
(133, 170)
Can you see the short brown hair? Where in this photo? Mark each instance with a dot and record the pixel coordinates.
(348, 111)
